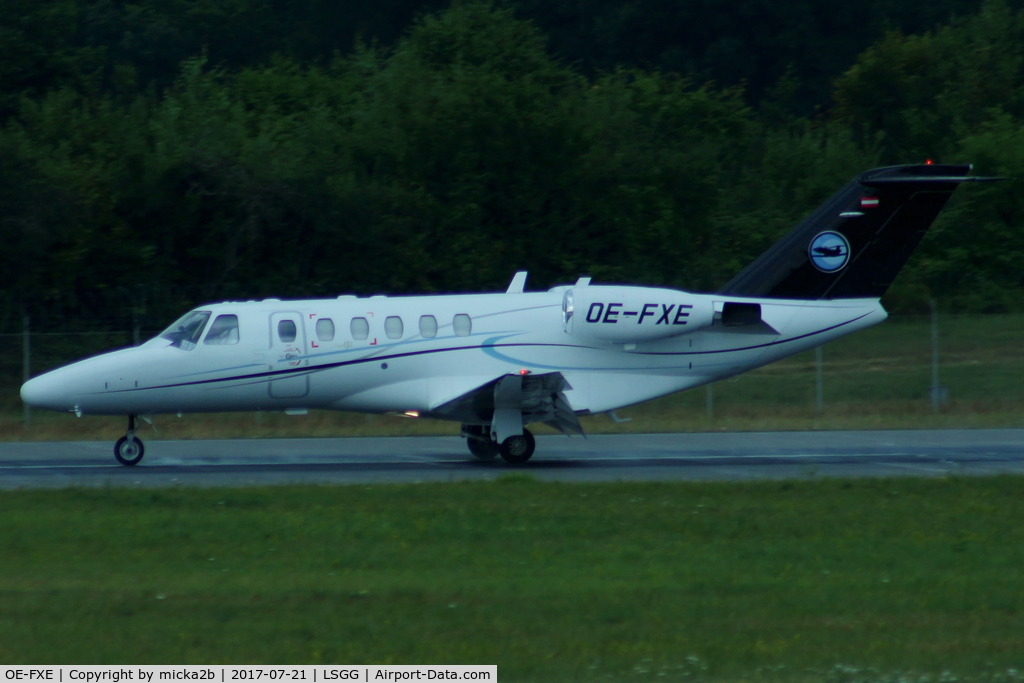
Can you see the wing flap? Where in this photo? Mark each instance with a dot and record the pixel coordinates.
(541, 398)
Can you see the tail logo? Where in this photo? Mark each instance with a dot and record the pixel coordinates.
(829, 251)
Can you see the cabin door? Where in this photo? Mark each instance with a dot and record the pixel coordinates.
(288, 356)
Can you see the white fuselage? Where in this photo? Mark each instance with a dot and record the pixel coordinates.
(610, 359)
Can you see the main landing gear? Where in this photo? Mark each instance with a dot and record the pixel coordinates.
(519, 448)
(514, 450)
(478, 438)
(129, 448)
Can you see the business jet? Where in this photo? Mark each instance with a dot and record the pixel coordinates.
(499, 362)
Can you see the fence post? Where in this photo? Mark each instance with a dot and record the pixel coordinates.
(819, 395)
(709, 401)
(26, 366)
(935, 356)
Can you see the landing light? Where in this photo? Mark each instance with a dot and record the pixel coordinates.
(412, 413)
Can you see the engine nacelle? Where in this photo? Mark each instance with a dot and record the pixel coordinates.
(624, 315)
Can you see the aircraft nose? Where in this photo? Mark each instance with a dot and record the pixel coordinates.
(44, 391)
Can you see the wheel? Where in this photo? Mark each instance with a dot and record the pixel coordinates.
(518, 449)
(482, 450)
(478, 439)
(129, 453)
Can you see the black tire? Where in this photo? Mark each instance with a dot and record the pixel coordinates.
(518, 449)
(125, 454)
(482, 450)
(478, 439)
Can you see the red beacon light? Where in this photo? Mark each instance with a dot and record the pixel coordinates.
(928, 162)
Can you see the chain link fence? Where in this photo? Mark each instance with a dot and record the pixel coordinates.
(40, 351)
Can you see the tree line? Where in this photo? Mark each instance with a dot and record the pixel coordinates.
(464, 147)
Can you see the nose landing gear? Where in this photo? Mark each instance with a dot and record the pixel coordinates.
(129, 449)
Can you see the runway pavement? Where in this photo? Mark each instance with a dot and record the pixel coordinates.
(638, 457)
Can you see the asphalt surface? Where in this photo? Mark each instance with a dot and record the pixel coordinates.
(637, 457)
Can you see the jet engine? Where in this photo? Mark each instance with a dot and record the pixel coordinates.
(623, 315)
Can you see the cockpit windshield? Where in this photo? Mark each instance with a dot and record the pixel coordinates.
(185, 333)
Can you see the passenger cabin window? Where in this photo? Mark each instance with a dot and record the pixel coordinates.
(360, 328)
(286, 331)
(462, 325)
(428, 326)
(185, 333)
(224, 330)
(325, 329)
(393, 327)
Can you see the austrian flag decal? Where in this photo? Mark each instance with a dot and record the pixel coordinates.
(869, 202)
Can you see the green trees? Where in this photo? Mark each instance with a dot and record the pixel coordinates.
(923, 94)
(462, 153)
(954, 95)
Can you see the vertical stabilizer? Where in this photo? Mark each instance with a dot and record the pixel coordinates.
(855, 244)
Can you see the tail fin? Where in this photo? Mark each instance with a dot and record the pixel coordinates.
(855, 244)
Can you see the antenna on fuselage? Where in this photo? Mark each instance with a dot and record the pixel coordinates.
(518, 283)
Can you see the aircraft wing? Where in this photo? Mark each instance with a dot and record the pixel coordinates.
(541, 398)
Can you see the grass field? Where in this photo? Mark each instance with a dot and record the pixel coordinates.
(893, 580)
(875, 379)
